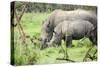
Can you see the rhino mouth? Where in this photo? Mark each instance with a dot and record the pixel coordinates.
(44, 44)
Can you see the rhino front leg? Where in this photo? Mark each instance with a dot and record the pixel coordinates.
(68, 41)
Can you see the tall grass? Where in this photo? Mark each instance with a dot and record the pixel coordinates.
(30, 53)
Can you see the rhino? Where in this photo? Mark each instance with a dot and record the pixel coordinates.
(57, 16)
(73, 30)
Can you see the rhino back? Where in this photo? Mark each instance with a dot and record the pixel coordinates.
(79, 28)
(76, 14)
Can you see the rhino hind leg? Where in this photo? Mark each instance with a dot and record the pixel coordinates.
(68, 41)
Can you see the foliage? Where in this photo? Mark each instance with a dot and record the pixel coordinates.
(46, 7)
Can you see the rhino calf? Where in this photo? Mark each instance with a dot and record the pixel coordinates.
(72, 30)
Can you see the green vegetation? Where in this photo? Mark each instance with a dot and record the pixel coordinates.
(47, 7)
(30, 53)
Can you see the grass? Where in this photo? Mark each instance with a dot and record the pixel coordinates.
(30, 53)
(32, 22)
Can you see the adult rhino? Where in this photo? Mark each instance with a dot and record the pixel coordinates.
(57, 16)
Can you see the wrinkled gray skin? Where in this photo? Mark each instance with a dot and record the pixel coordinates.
(58, 16)
(73, 30)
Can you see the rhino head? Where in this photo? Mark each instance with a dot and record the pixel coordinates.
(46, 34)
